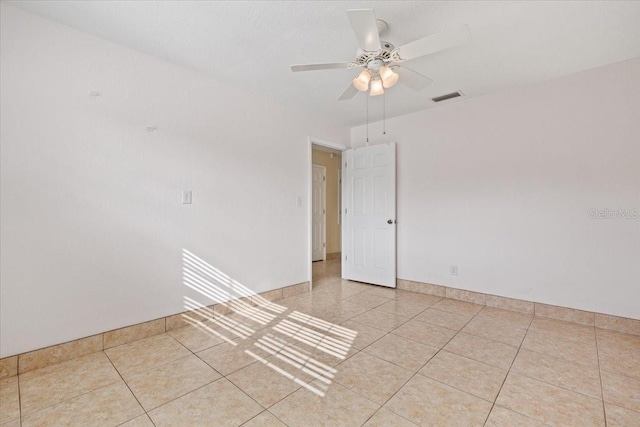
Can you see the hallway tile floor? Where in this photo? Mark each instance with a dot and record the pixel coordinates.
(345, 354)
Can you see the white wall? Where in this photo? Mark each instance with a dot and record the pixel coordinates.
(92, 222)
(502, 186)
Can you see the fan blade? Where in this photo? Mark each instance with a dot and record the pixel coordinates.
(435, 43)
(327, 66)
(348, 93)
(364, 25)
(412, 79)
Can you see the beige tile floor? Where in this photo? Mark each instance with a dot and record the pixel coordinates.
(346, 354)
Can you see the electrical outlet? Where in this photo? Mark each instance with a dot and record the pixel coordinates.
(186, 197)
(454, 270)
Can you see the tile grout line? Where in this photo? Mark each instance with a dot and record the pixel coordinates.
(165, 364)
(395, 314)
(417, 372)
(559, 359)
(257, 415)
(471, 359)
(129, 388)
(259, 404)
(158, 366)
(74, 397)
(604, 407)
(173, 400)
(400, 336)
(275, 416)
(292, 392)
(381, 408)
(441, 348)
(67, 399)
(246, 394)
(508, 372)
(551, 384)
(182, 395)
(19, 400)
(347, 388)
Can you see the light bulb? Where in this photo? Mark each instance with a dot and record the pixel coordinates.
(389, 77)
(362, 81)
(376, 87)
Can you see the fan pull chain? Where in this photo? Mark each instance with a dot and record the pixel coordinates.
(367, 118)
(384, 113)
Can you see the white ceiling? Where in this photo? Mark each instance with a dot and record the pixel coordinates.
(253, 43)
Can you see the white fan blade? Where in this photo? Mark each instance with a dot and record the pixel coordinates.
(327, 66)
(365, 27)
(435, 43)
(412, 79)
(348, 93)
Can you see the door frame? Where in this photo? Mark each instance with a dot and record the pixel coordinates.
(324, 211)
(311, 141)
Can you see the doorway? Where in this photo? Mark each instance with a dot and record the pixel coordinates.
(365, 213)
(325, 192)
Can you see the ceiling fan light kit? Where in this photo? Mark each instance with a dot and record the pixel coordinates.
(388, 76)
(362, 81)
(381, 60)
(376, 87)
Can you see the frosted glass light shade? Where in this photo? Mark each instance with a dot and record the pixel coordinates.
(362, 81)
(376, 87)
(389, 77)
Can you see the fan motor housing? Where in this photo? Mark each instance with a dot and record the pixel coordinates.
(384, 55)
(375, 64)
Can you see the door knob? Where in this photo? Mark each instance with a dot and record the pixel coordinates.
(390, 221)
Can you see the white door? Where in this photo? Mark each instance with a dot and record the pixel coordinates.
(318, 212)
(369, 203)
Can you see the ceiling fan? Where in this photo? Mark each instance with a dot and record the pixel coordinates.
(381, 60)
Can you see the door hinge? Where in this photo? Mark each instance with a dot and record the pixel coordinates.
(345, 211)
(324, 178)
(345, 257)
(345, 164)
(323, 212)
(324, 245)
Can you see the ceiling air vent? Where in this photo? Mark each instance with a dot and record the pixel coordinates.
(447, 96)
